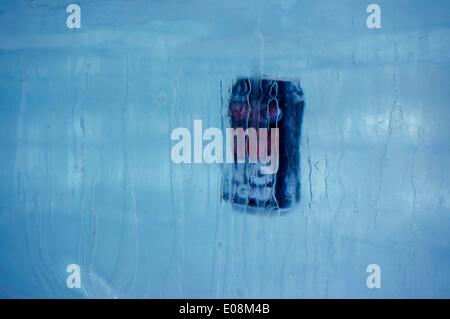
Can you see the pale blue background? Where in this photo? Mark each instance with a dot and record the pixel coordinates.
(85, 169)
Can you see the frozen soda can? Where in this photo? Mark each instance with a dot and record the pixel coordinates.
(264, 119)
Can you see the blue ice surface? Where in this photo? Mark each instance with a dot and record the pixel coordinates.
(86, 176)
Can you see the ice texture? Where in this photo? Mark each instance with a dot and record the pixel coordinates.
(86, 175)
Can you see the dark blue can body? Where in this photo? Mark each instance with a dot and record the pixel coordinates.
(272, 104)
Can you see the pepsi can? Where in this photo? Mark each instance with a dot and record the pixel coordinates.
(273, 109)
